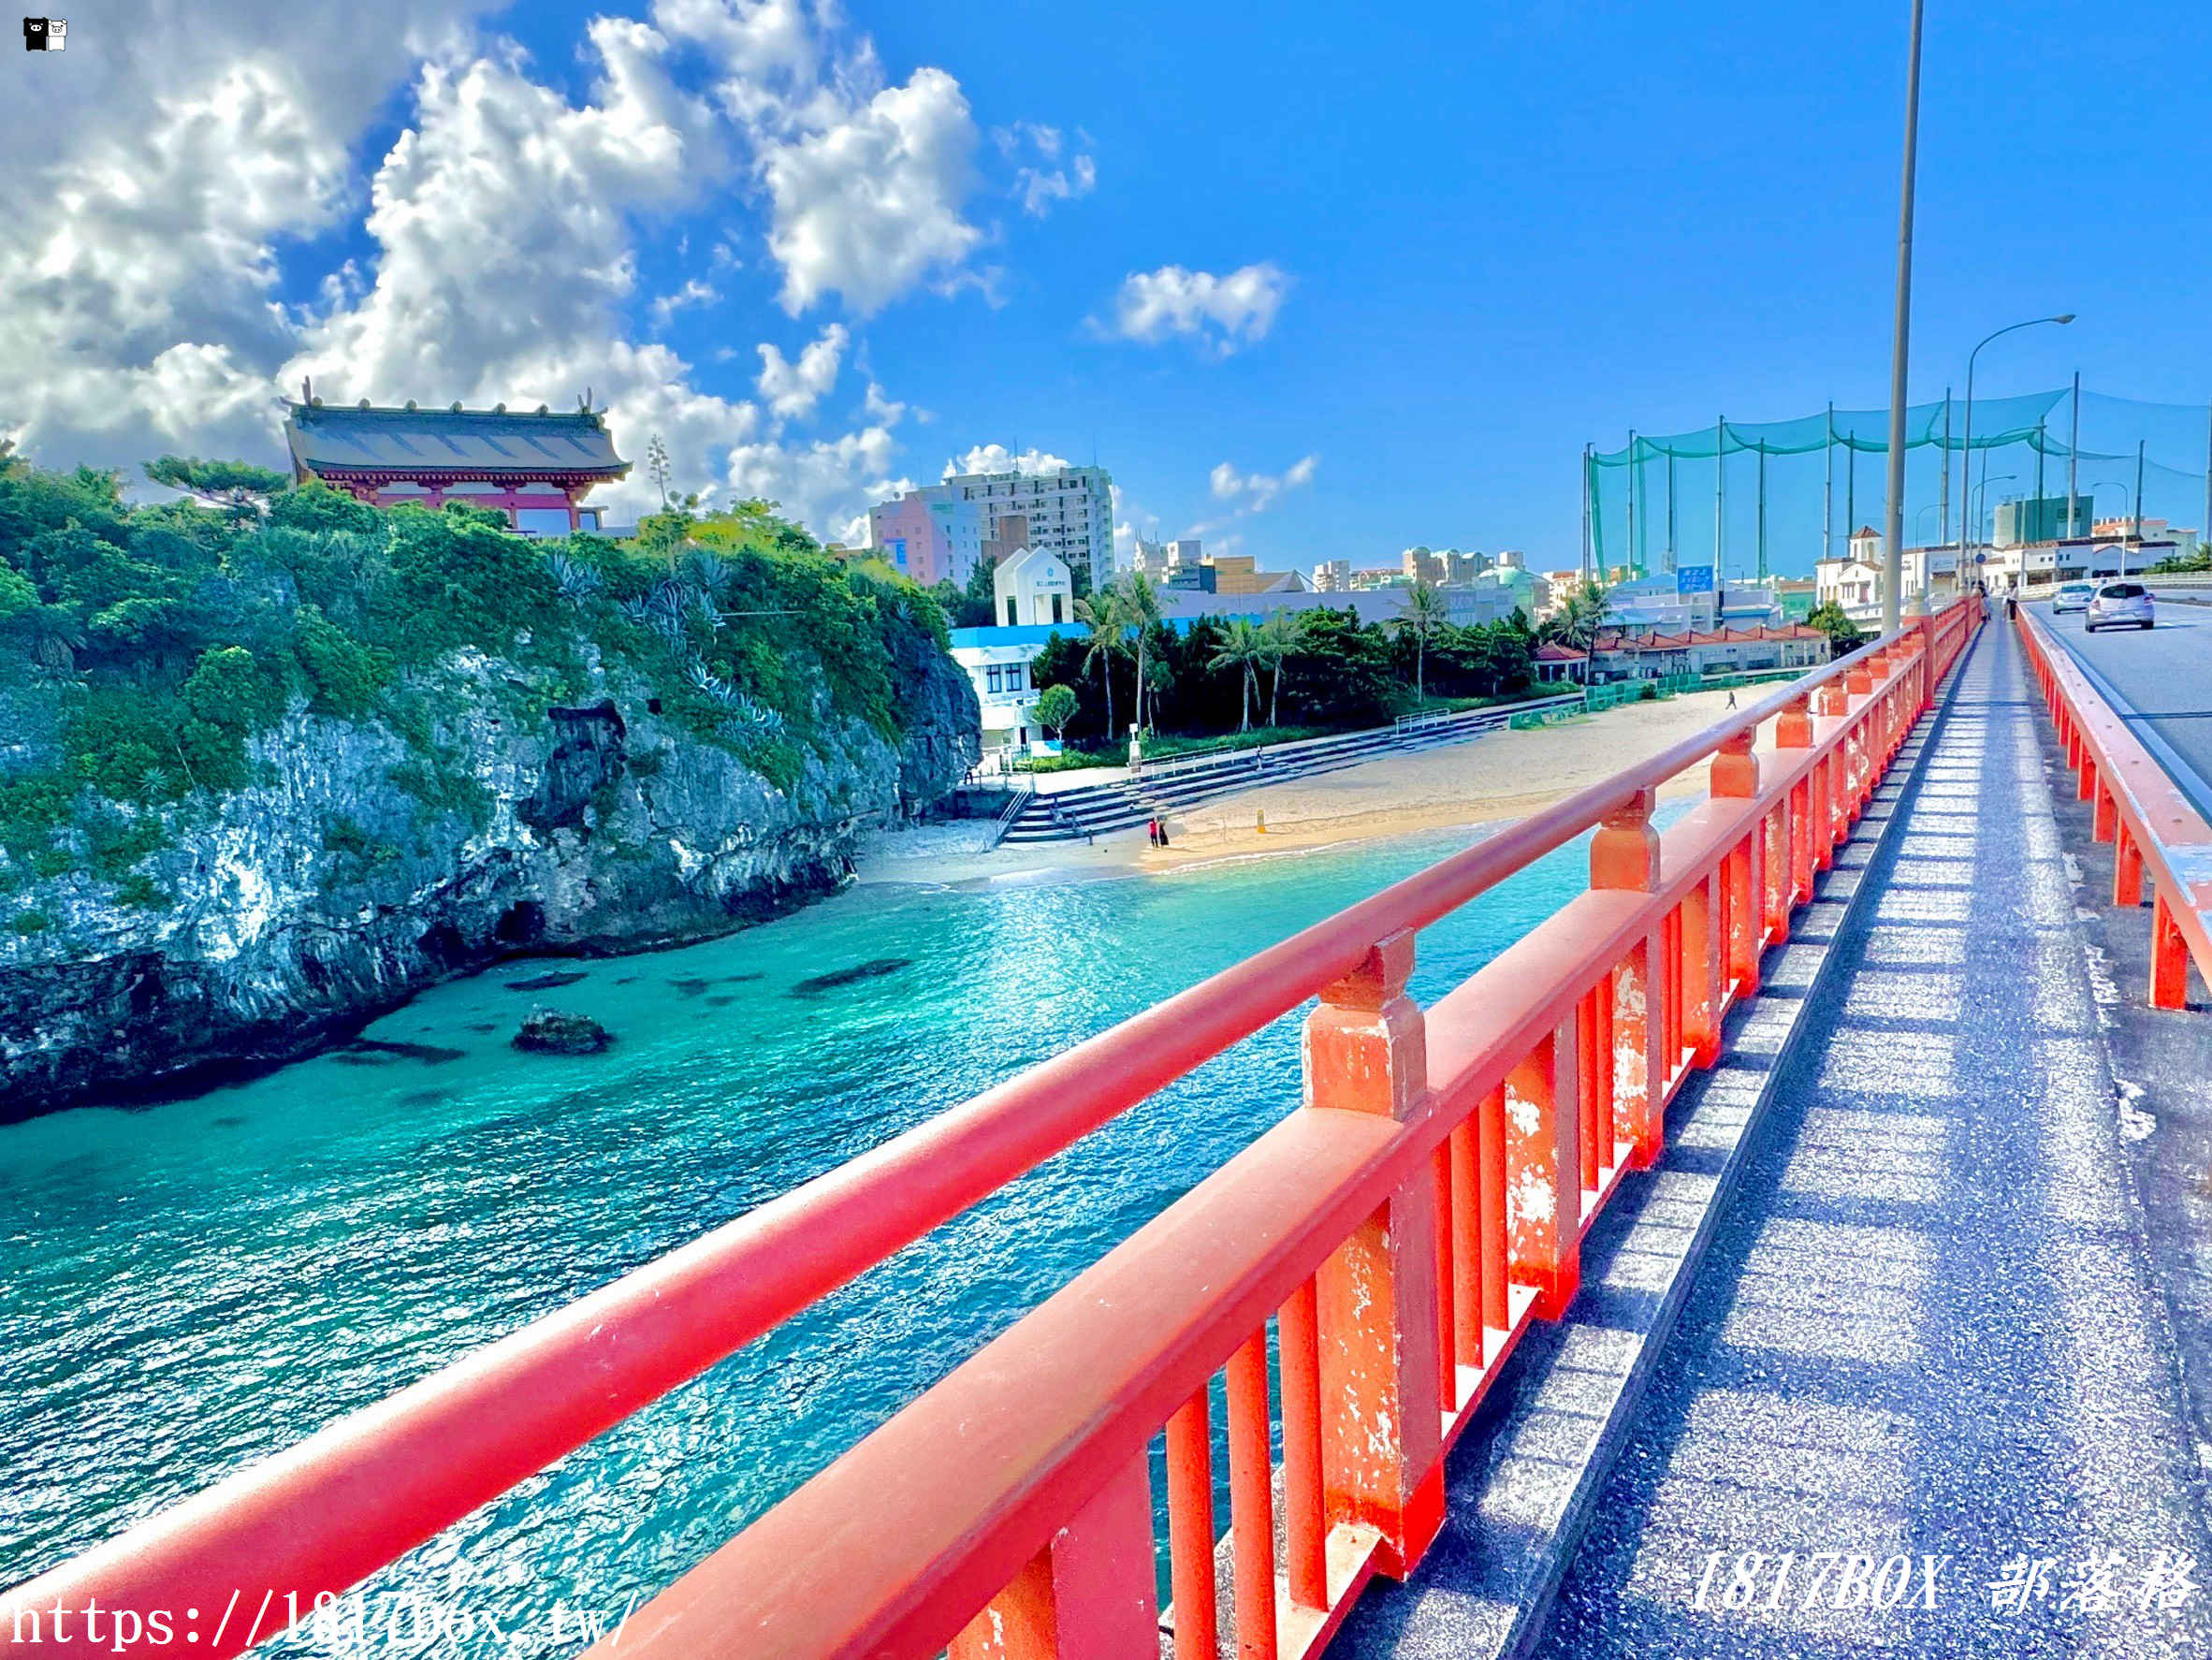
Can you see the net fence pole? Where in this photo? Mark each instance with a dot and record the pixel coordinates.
(1671, 542)
(2042, 435)
(1944, 514)
(1894, 563)
(2139, 446)
(1588, 486)
(2074, 524)
(1827, 488)
(1720, 497)
(1630, 553)
(2205, 535)
(1762, 510)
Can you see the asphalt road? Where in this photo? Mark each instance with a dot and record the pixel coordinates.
(2163, 676)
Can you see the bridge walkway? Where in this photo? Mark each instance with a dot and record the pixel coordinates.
(1926, 1326)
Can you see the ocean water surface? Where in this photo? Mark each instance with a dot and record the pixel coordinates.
(188, 1288)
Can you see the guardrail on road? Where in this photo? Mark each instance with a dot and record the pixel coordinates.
(1402, 1228)
(2155, 830)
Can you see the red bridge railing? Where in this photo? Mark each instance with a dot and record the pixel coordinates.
(2155, 832)
(1401, 1230)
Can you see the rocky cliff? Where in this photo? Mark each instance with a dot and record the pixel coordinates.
(337, 882)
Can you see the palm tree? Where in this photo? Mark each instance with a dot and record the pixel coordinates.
(1101, 613)
(1245, 647)
(1281, 632)
(1574, 621)
(1423, 614)
(1138, 603)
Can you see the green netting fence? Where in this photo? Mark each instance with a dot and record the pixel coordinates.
(1759, 498)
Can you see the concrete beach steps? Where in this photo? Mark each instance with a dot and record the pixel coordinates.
(1169, 786)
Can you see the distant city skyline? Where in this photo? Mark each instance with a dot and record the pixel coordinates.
(1323, 292)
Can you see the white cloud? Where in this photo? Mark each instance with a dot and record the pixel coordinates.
(1042, 181)
(792, 389)
(146, 194)
(1219, 313)
(821, 481)
(694, 292)
(867, 203)
(1256, 492)
(163, 194)
(997, 457)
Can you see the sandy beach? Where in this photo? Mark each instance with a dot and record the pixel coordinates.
(1505, 775)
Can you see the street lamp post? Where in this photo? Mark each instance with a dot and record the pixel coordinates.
(1966, 445)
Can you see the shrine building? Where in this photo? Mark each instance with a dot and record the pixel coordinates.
(535, 468)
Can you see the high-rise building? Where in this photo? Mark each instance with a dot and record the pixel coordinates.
(932, 535)
(1332, 575)
(1070, 514)
(1420, 565)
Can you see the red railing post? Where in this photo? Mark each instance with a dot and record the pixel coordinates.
(1543, 1186)
(1793, 730)
(2127, 870)
(2169, 959)
(2106, 822)
(1924, 691)
(1251, 1501)
(1701, 975)
(1381, 1412)
(1087, 1595)
(1624, 857)
(1305, 1522)
(1734, 777)
(1190, 1529)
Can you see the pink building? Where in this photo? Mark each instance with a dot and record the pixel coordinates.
(929, 535)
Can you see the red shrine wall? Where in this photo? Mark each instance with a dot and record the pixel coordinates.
(434, 497)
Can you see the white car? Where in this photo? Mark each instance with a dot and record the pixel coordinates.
(2072, 596)
(2116, 604)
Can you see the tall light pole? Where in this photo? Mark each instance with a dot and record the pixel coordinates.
(1966, 445)
(1980, 501)
(1894, 555)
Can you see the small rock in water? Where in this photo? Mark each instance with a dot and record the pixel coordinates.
(720, 1002)
(740, 978)
(545, 982)
(873, 969)
(486, 1027)
(689, 988)
(549, 1031)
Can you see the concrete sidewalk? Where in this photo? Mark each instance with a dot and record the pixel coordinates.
(1926, 1327)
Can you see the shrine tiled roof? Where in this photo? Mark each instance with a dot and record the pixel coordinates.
(327, 439)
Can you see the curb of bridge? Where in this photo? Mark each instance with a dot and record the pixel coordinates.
(1546, 1442)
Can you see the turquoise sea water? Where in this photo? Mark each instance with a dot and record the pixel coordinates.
(187, 1287)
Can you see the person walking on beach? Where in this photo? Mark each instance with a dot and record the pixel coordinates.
(1152, 830)
(1731, 697)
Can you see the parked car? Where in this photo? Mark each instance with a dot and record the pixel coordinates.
(2072, 596)
(2118, 603)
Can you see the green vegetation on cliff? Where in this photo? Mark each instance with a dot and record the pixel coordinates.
(141, 646)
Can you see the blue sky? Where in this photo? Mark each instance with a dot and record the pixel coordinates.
(1500, 231)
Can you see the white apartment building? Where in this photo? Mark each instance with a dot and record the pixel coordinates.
(1332, 575)
(996, 660)
(1070, 513)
